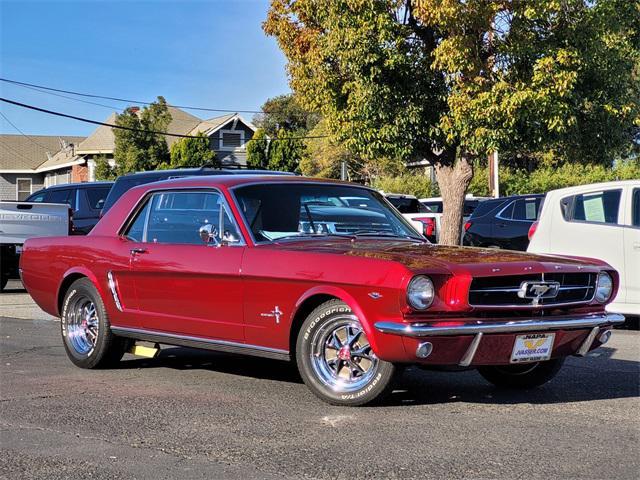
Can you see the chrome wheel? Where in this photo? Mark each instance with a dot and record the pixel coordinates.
(341, 356)
(82, 325)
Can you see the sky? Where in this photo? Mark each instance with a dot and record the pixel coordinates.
(199, 53)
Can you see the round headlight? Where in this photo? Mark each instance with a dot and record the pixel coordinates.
(420, 292)
(604, 287)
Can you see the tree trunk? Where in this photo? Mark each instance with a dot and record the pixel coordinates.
(453, 181)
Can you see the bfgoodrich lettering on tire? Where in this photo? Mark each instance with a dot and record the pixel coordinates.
(85, 328)
(336, 361)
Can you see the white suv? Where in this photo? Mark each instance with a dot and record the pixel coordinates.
(598, 221)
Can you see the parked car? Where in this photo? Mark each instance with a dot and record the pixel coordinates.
(85, 199)
(227, 263)
(434, 204)
(503, 222)
(22, 220)
(130, 180)
(598, 221)
(421, 218)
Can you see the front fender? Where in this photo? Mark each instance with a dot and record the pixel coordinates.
(386, 347)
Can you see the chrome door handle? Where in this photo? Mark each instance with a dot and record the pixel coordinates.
(137, 251)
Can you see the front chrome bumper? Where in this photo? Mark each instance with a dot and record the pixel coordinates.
(500, 326)
(478, 328)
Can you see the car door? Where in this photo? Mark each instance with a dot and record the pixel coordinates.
(512, 223)
(632, 252)
(590, 225)
(184, 285)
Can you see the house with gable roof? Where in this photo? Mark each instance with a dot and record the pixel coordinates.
(29, 163)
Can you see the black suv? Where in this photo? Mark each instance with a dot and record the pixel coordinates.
(130, 180)
(85, 199)
(503, 222)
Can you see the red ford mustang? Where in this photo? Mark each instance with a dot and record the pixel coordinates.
(323, 273)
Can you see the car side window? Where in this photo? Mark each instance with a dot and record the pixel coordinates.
(135, 232)
(38, 197)
(179, 217)
(526, 209)
(63, 196)
(96, 197)
(596, 207)
(507, 212)
(635, 212)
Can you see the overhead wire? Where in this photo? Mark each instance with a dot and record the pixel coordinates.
(122, 127)
(21, 132)
(125, 100)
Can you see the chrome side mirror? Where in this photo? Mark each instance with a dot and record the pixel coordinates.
(209, 234)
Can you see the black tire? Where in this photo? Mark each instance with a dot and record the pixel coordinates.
(348, 382)
(523, 376)
(86, 331)
(3, 282)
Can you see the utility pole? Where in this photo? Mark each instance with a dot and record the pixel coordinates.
(494, 177)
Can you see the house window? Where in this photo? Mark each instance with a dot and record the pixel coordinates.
(24, 188)
(231, 139)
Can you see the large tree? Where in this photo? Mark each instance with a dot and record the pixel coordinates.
(284, 112)
(257, 150)
(140, 147)
(451, 81)
(191, 152)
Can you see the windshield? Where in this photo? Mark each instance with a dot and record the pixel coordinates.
(277, 211)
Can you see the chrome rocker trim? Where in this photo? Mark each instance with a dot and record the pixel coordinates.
(202, 343)
(478, 329)
(497, 326)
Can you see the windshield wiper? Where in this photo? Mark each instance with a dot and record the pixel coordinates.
(312, 235)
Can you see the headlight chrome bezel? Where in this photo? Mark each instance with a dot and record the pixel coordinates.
(420, 292)
(604, 280)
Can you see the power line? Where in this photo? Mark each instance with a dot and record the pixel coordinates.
(122, 127)
(21, 132)
(40, 90)
(141, 102)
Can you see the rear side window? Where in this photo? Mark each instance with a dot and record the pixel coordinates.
(635, 212)
(595, 207)
(434, 207)
(136, 230)
(63, 196)
(526, 209)
(96, 197)
(485, 207)
(408, 205)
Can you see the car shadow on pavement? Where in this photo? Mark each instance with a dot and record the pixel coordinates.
(181, 358)
(596, 377)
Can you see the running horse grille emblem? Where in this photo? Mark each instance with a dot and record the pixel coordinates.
(538, 291)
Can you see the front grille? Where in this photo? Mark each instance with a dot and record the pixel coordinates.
(503, 291)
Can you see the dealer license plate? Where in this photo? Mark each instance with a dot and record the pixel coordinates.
(534, 347)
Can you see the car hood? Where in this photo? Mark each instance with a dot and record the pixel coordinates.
(421, 257)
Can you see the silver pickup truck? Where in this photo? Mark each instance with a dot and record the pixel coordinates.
(22, 220)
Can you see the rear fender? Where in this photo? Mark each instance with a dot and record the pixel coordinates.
(77, 271)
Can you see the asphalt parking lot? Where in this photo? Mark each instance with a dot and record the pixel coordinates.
(190, 414)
